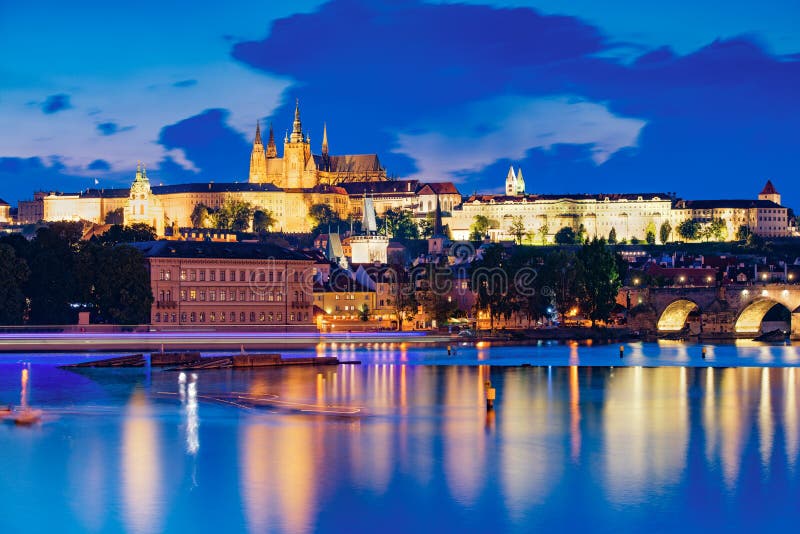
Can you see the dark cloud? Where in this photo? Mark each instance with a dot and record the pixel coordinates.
(20, 177)
(99, 165)
(56, 103)
(219, 152)
(720, 119)
(185, 83)
(111, 128)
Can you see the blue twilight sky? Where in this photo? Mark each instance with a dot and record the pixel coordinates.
(698, 97)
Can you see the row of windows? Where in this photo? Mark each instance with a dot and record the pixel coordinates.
(223, 295)
(222, 275)
(224, 317)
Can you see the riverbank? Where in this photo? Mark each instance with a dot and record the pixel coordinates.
(201, 341)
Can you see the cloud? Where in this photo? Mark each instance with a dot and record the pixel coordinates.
(111, 128)
(20, 177)
(55, 103)
(521, 124)
(99, 165)
(724, 113)
(217, 151)
(185, 83)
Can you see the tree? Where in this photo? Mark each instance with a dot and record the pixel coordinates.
(580, 235)
(598, 280)
(116, 216)
(479, 228)
(134, 233)
(432, 291)
(235, 215)
(13, 272)
(122, 286)
(200, 216)
(517, 229)
(565, 236)
(743, 233)
(400, 225)
(544, 229)
(689, 229)
(716, 230)
(426, 227)
(612, 236)
(490, 282)
(557, 276)
(650, 233)
(664, 232)
(363, 313)
(51, 286)
(322, 215)
(263, 221)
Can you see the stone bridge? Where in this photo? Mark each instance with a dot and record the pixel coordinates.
(725, 311)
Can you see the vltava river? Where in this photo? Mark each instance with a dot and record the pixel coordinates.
(659, 441)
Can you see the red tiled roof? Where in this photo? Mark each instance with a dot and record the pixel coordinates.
(769, 189)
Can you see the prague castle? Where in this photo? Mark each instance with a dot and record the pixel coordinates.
(287, 186)
(300, 169)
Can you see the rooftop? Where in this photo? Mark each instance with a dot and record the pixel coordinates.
(210, 249)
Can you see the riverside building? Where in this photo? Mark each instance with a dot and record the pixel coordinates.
(229, 284)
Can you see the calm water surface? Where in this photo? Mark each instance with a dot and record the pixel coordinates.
(662, 441)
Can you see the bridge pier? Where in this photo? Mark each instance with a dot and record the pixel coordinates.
(795, 327)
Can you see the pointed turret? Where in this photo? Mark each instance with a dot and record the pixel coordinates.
(325, 140)
(272, 152)
(257, 140)
(297, 126)
(520, 183)
(770, 193)
(511, 182)
(258, 165)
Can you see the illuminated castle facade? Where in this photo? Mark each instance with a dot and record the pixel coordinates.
(631, 216)
(298, 168)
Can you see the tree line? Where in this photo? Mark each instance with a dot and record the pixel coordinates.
(233, 215)
(49, 279)
(538, 286)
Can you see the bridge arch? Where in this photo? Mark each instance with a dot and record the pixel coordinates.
(674, 316)
(751, 316)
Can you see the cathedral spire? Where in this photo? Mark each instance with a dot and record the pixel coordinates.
(325, 139)
(272, 152)
(297, 127)
(257, 140)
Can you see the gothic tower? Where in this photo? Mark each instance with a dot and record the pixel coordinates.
(520, 183)
(296, 156)
(511, 182)
(272, 152)
(258, 162)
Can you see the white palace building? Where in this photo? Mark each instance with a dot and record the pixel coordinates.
(629, 215)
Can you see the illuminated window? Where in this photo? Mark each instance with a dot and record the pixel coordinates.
(202, 317)
(192, 294)
(183, 275)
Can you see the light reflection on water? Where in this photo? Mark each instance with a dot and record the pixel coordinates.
(618, 448)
